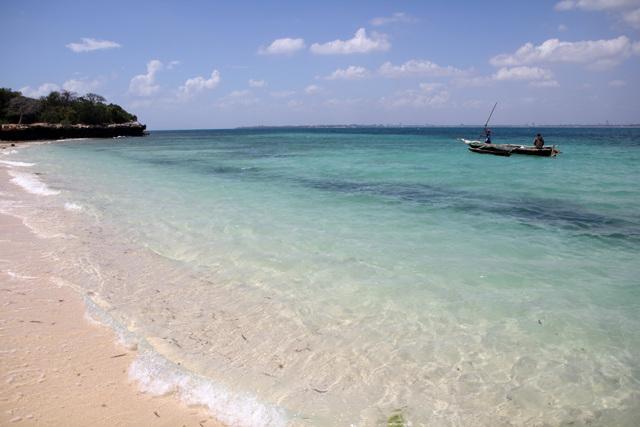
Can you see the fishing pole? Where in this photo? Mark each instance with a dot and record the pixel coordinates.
(485, 125)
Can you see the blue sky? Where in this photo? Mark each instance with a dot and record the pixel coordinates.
(195, 64)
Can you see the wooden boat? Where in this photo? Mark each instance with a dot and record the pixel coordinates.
(533, 151)
(484, 148)
(488, 149)
(501, 149)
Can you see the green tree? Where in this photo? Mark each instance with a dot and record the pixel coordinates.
(23, 106)
(6, 95)
(60, 107)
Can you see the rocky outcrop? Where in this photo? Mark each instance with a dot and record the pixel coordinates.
(57, 131)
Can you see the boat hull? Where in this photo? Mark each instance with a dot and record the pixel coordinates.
(532, 151)
(490, 150)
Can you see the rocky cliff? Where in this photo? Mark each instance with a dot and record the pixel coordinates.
(57, 131)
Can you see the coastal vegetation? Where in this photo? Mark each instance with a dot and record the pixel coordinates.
(64, 107)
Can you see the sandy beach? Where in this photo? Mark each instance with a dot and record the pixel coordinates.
(57, 368)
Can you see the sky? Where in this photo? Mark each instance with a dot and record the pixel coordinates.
(221, 64)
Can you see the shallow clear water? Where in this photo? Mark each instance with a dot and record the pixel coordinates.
(359, 276)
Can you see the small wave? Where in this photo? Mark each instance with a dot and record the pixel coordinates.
(159, 376)
(18, 164)
(73, 206)
(32, 184)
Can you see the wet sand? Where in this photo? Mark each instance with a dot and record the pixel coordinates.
(57, 368)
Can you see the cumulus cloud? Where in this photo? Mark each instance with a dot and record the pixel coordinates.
(597, 4)
(257, 83)
(412, 68)
(627, 10)
(239, 98)
(538, 77)
(282, 94)
(632, 18)
(430, 87)
(547, 83)
(417, 98)
(89, 44)
(43, 90)
(172, 64)
(287, 46)
(523, 73)
(351, 73)
(84, 85)
(419, 68)
(144, 84)
(199, 84)
(396, 17)
(600, 54)
(313, 89)
(359, 44)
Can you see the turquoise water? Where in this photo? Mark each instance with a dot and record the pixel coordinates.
(358, 277)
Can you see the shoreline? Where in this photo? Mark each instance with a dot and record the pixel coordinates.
(46, 131)
(59, 367)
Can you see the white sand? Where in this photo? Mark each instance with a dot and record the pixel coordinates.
(56, 367)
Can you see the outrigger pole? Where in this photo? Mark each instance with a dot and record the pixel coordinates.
(485, 125)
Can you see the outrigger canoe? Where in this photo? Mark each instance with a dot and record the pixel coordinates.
(509, 149)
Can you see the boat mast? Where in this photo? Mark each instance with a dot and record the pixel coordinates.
(485, 125)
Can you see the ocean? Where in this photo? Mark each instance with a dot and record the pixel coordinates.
(356, 277)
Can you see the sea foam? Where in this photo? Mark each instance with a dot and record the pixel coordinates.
(18, 164)
(32, 184)
(158, 376)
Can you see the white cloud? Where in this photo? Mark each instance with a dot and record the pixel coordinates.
(523, 73)
(627, 10)
(172, 64)
(196, 85)
(462, 82)
(144, 84)
(430, 87)
(89, 44)
(257, 83)
(351, 73)
(396, 17)
(539, 77)
(282, 94)
(419, 68)
(600, 54)
(417, 98)
(313, 89)
(84, 85)
(287, 46)
(562, 27)
(412, 68)
(359, 44)
(597, 4)
(239, 98)
(43, 90)
(632, 18)
(546, 83)
(618, 83)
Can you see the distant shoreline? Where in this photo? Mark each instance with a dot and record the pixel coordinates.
(389, 126)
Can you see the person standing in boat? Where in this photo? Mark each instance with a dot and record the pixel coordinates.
(488, 138)
(538, 142)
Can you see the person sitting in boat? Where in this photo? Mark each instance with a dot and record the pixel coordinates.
(488, 139)
(538, 142)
